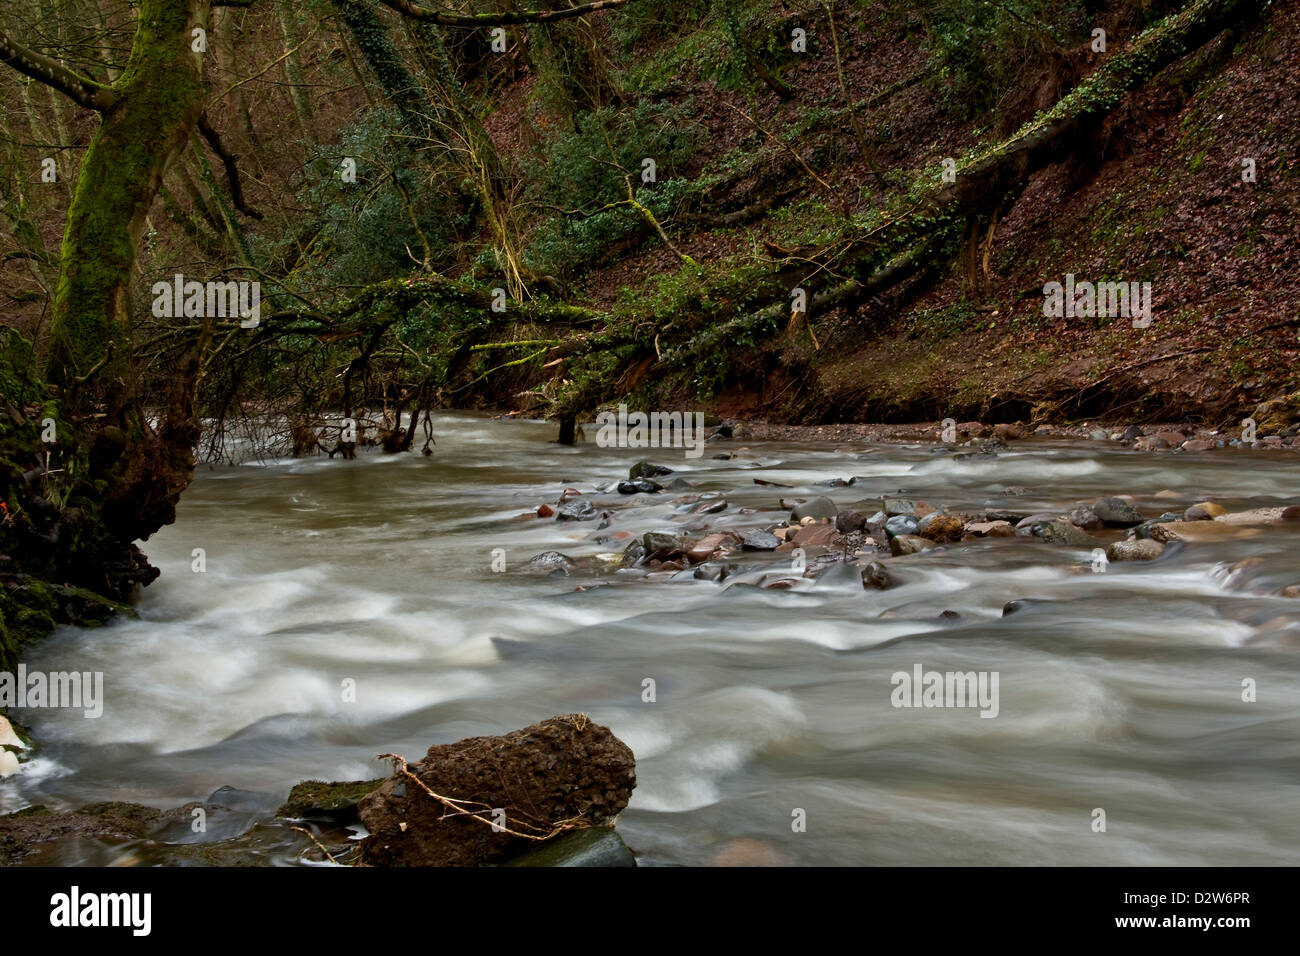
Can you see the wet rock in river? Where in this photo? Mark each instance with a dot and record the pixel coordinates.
(579, 510)
(1062, 532)
(710, 507)
(644, 469)
(898, 506)
(1116, 512)
(1200, 531)
(748, 852)
(819, 509)
(1262, 516)
(714, 572)
(941, 528)
(990, 529)
(1204, 511)
(639, 486)
(633, 555)
(759, 541)
(1086, 519)
(704, 548)
(1145, 529)
(27, 832)
(1135, 549)
(661, 544)
(531, 781)
(327, 802)
(901, 525)
(549, 562)
(875, 575)
(589, 846)
(904, 544)
(846, 522)
(1025, 526)
(815, 535)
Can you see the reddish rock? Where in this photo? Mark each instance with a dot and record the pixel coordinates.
(545, 511)
(748, 852)
(703, 549)
(822, 535)
(991, 529)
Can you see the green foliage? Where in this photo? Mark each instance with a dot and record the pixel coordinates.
(651, 22)
(585, 173)
(943, 322)
(367, 233)
(982, 47)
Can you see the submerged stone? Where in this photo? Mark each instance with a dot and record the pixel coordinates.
(591, 846)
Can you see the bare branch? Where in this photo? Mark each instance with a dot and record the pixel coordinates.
(232, 169)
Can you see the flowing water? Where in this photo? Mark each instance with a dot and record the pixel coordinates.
(1119, 691)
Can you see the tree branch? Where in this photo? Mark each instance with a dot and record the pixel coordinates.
(232, 169)
(417, 12)
(38, 66)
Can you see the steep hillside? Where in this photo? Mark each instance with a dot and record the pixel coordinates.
(1154, 193)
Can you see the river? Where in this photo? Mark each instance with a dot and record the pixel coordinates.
(1120, 691)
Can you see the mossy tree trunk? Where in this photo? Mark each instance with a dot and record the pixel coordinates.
(152, 110)
(156, 106)
(147, 118)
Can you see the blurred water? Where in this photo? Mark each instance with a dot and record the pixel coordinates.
(1119, 691)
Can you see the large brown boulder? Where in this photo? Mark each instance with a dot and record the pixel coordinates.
(565, 770)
